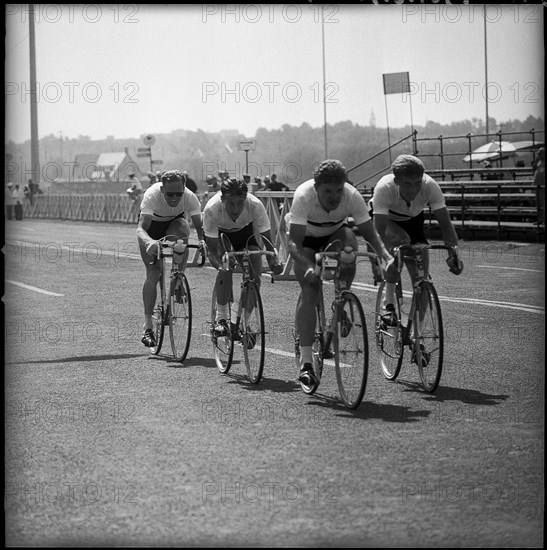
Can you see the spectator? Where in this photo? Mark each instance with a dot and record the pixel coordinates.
(266, 182)
(18, 197)
(275, 185)
(134, 190)
(247, 180)
(223, 175)
(539, 182)
(212, 184)
(258, 184)
(9, 200)
(191, 184)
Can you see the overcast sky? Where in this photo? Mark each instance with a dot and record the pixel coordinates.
(126, 70)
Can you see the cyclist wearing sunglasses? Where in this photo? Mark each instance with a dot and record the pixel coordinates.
(163, 209)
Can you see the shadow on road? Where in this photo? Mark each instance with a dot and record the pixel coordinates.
(80, 358)
(464, 395)
(266, 384)
(369, 411)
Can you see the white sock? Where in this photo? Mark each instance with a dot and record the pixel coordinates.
(222, 312)
(306, 355)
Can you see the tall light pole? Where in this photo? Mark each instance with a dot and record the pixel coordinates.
(324, 81)
(485, 67)
(34, 143)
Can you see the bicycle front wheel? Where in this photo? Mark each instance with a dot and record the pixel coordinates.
(253, 334)
(429, 337)
(180, 321)
(389, 335)
(351, 351)
(159, 315)
(223, 345)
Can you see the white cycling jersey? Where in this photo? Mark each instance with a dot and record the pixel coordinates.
(387, 199)
(215, 217)
(153, 203)
(307, 210)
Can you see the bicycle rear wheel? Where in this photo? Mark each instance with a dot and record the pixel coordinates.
(429, 337)
(351, 351)
(223, 346)
(389, 339)
(253, 334)
(317, 349)
(159, 315)
(180, 316)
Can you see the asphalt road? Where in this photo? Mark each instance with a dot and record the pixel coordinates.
(108, 446)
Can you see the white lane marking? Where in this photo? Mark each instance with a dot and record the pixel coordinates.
(35, 288)
(511, 268)
(491, 303)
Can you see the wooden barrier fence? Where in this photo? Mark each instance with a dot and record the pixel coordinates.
(469, 209)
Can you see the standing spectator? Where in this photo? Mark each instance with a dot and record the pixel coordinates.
(18, 197)
(539, 182)
(212, 184)
(258, 184)
(266, 182)
(275, 185)
(247, 180)
(191, 184)
(135, 187)
(8, 197)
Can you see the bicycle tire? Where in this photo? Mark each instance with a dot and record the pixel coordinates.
(180, 316)
(253, 333)
(317, 347)
(223, 346)
(428, 345)
(159, 315)
(389, 340)
(351, 352)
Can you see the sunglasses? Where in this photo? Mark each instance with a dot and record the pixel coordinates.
(173, 194)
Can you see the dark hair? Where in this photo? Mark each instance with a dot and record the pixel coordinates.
(407, 165)
(330, 171)
(173, 175)
(233, 186)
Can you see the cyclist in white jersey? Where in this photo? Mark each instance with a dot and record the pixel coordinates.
(319, 216)
(397, 208)
(240, 217)
(163, 208)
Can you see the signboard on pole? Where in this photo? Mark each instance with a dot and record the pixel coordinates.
(246, 145)
(149, 140)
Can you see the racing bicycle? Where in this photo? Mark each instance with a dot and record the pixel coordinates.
(419, 328)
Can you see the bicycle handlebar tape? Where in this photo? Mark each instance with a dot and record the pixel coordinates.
(224, 286)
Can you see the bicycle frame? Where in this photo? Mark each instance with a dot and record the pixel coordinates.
(423, 332)
(346, 329)
(174, 307)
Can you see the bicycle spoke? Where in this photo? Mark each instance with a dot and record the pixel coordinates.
(180, 322)
(428, 347)
(351, 351)
(223, 346)
(389, 336)
(253, 332)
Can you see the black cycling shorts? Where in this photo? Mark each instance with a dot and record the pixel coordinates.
(413, 227)
(158, 229)
(319, 243)
(241, 238)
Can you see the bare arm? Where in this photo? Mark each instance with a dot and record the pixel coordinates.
(369, 233)
(294, 246)
(447, 228)
(142, 230)
(198, 224)
(214, 251)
